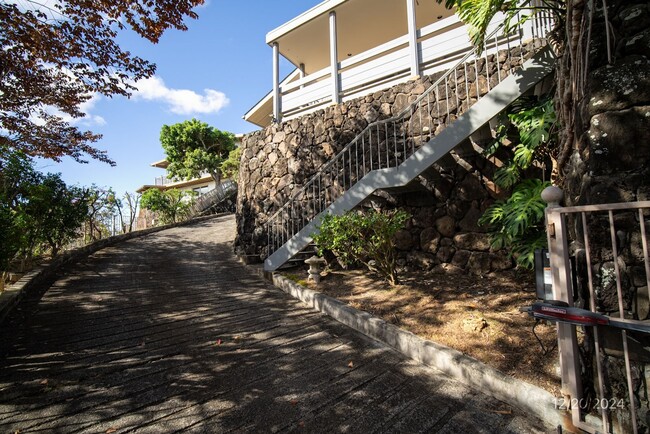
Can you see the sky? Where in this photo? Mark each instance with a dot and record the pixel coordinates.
(215, 72)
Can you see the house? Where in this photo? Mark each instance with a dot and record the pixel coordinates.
(364, 118)
(208, 194)
(200, 185)
(346, 49)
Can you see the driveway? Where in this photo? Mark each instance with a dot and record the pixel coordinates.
(168, 332)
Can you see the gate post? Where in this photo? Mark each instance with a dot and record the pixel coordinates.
(558, 247)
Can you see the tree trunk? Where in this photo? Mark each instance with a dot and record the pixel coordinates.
(602, 101)
(603, 105)
(216, 176)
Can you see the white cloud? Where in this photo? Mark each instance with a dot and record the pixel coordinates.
(89, 119)
(181, 101)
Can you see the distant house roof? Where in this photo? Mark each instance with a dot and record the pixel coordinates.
(161, 164)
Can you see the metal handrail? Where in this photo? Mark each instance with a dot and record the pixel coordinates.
(214, 196)
(403, 121)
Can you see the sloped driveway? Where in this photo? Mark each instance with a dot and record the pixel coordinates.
(168, 332)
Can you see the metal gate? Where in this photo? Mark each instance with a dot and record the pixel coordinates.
(605, 365)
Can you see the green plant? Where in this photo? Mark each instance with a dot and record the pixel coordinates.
(517, 222)
(230, 166)
(366, 238)
(194, 147)
(38, 212)
(172, 205)
(53, 213)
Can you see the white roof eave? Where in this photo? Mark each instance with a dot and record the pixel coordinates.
(301, 19)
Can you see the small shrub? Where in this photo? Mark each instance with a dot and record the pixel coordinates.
(366, 238)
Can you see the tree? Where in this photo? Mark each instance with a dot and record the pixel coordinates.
(38, 212)
(172, 205)
(101, 208)
(56, 56)
(194, 147)
(16, 176)
(132, 202)
(53, 214)
(230, 167)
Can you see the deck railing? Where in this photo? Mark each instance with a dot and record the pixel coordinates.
(162, 180)
(388, 143)
(440, 46)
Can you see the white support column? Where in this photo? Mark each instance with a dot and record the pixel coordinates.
(413, 38)
(301, 68)
(334, 60)
(277, 115)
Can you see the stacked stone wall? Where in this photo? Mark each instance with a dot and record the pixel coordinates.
(612, 160)
(278, 160)
(612, 164)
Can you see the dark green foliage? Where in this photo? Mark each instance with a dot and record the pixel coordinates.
(53, 213)
(366, 238)
(230, 167)
(194, 147)
(38, 213)
(517, 223)
(171, 205)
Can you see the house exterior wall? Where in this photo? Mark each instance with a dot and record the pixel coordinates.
(278, 160)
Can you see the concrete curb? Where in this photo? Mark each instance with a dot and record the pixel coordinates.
(45, 274)
(527, 397)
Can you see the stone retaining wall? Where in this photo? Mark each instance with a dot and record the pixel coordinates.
(611, 163)
(278, 160)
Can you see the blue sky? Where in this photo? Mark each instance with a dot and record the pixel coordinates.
(223, 55)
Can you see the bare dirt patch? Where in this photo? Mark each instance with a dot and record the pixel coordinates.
(477, 315)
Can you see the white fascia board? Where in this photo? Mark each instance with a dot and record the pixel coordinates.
(305, 17)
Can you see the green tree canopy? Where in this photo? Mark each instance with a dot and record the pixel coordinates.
(38, 212)
(194, 147)
(54, 213)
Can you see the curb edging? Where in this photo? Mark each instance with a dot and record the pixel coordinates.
(525, 396)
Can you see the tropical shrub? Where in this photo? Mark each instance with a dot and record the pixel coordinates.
(363, 237)
(517, 223)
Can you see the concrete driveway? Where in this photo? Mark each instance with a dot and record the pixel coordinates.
(168, 332)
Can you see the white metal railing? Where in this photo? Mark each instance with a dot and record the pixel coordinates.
(213, 197)
(440, 46)
(162, 180)
(614, 233)
(388, 143)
